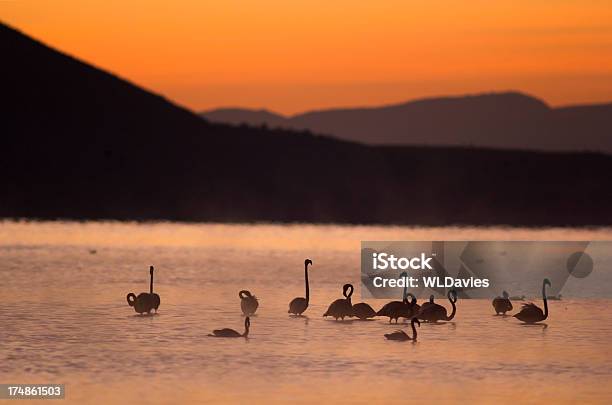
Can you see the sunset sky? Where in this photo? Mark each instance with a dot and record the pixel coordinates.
(291, 56)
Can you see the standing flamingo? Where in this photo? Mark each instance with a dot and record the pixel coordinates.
(144, 302)
(428, 303)
(248, 302)
(298, 305)
(341, 308)
(399, 309)
(363, 311)
(502, 304)
(435, 312)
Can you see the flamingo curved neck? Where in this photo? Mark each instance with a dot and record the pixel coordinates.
(350, 292)
(307, 286)
(452, 315)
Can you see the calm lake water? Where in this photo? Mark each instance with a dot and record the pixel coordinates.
(64, 319)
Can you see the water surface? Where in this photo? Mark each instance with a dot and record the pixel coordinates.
(65, 320)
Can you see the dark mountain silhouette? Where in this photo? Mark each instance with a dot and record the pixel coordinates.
(78, 142)
(497, 120)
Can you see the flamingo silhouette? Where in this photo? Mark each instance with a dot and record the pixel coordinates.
(341, 308)
(531, 313)
(248, 302)
(502, 304)
(144, 302)
(435, 312)
(298, 305)
(231, 333)
(400, 309)
(401, 335)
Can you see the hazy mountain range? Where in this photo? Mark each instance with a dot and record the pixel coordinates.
(495, 120)
(78, 142)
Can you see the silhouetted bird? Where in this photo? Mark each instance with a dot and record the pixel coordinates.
(298, 305)
(141, 303)
(531, 313)
(363, 311)
(144, 302)
(342, 308)
(428, 303)
(435, 312)
(231, 333)
(399, 309)
(248, 302)
(502, 304)
(401, 335)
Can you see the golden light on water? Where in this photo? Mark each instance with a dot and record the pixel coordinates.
(261, 236)
(66, 320)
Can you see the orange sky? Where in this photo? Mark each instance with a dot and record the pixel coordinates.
(291, 56)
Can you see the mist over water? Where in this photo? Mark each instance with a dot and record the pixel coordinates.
(65, 320)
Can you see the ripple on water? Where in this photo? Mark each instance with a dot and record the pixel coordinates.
(65, 319)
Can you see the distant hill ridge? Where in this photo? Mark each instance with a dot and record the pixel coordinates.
(511, 120)
(80, 143)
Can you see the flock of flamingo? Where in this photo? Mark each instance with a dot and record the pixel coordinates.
(341, 308)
